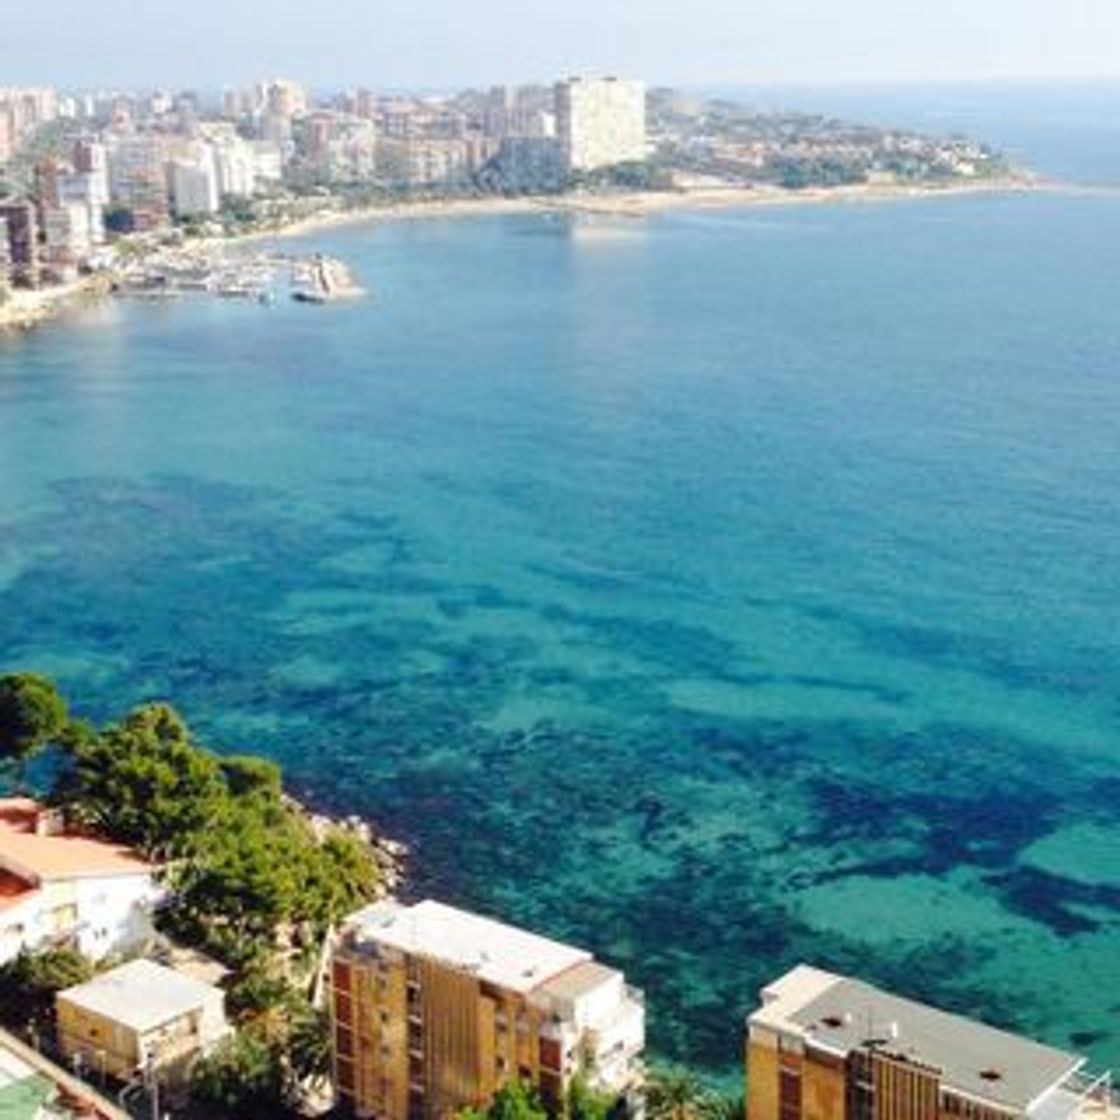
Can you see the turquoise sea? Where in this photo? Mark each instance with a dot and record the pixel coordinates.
(720, 590)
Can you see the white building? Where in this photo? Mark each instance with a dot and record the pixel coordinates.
(236, 167)
(194, 183)
(268, 162)
(68, 233)
(57, 887)
(600, 122)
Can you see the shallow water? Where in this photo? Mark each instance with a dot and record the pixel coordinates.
(718, 590)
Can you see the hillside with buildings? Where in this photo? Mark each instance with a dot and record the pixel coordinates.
(88, 179)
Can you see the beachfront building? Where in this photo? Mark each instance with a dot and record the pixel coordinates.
(600, 122)
(434, 1009)
(5, 262)
(194, 183)
(22, 235)
(140, 1016)
(138, 179)
(58, 887)
(826, 1047)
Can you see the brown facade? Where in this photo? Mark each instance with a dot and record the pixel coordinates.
(789, 1080)
(416, 1040)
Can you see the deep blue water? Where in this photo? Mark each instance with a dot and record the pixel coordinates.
(720, 590)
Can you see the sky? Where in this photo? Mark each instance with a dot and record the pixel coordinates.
(438, 44)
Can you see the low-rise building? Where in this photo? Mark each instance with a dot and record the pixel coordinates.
(434, 1009)
(33, 1088)
(826, 1047)
(59, 887)
(141, 1016)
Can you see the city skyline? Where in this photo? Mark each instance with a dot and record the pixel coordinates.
(434, 44)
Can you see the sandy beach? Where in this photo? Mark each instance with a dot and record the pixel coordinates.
(26, 309)
(640, 204)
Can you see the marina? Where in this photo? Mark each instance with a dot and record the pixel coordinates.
(216, 270)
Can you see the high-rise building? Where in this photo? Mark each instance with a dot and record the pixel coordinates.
(434, 1009)
(68, 237)
(194, 183)
(23, 242)
(825, 1047)
(236, 167)
(5, 262)
(138, 179)
(600, 122)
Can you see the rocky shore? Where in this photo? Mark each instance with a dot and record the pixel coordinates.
(388, 855)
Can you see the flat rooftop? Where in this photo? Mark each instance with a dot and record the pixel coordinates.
(504, 955)
(838, 1014)
(140, 995)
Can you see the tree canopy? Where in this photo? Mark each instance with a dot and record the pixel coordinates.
(513, 1101)
(32, 714)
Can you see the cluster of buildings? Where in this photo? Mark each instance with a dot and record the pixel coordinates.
(433, 1009)
(22, 111)
(136, 163)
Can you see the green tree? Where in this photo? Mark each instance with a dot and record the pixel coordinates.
(308, 1047)
(244, 1077)
(676, 1094)
(513, 1101)
(32, 714)
(247, 775)
(724, 1106)
(29, 983)
(143, 782)
(585, 1103)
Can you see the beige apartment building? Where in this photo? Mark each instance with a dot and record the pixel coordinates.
(600, 122)
(434, 1009)
(825, 1047)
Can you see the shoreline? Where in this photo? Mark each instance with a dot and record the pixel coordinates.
(639, 204)
(26, 310)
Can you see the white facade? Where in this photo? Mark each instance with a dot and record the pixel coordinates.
(194, 184)
(595, 1014)
(600, 122)
(268, 162)
(57, 888)
(236, 167)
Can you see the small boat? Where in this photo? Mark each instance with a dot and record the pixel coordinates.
(309, 295)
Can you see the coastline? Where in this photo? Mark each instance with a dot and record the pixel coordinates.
(640, 204)
(25, 310)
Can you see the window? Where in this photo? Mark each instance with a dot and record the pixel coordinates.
(789, 1094)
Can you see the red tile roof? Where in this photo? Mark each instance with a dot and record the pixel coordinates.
(24, 853)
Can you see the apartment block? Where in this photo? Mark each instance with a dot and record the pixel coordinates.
(5, 262)
(138, 179)
(600, 122)
(194, 183)
(434, 1009)
(826, 1047)
(22, 225)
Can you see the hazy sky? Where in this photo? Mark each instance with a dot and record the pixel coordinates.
(435, 43)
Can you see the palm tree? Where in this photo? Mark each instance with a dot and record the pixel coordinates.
(723, 1106)
(676, 1094)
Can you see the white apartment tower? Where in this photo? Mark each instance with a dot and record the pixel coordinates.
(600, 122)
